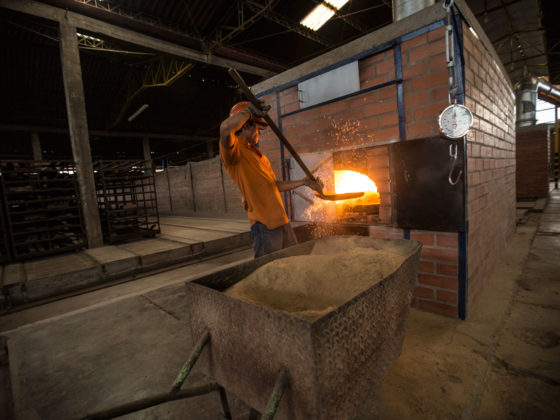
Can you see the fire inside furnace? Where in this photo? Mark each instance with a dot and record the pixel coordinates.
(352, 181)
(357, 210)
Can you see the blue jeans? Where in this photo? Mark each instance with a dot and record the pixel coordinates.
(266, 241)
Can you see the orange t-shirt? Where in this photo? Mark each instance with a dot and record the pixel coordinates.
(251, 171)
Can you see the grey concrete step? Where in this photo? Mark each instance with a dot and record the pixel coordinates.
(56, 275)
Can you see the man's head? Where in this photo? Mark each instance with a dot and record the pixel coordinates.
(249, 130)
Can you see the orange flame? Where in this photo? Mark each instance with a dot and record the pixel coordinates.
(351, 181)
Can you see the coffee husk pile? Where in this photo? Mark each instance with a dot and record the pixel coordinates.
(309, 286)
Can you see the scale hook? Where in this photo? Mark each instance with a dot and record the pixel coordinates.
(453, 154)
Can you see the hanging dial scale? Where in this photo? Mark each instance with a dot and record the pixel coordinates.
(456, 120)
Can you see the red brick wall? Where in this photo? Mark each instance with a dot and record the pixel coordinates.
(437, 286)
(533, 158)
(491, 194)
(425, 82)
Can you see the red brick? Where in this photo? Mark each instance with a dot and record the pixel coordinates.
(362, 100)
(376, 151)
(418, 98)
(414, 70)
(449, 283)
(414, 42)
(436, 34)
(387, 66)
(290, 108)
(287, 92)
(438, 308)
(440, 95)
(446, 296)
(333, 108)
(418, 129)
(387, 92)
(380, 108)
(439, 254)
(426, 267)
(426, 51)
(307, 115)
(424, 238)
(388, 120)
(391, 133)
(369, 124)
(447, 241)
(424, 292)
(437, 63)
(366, 83)
(430, 81)
(318, 125)
(447, 269)
(428, 111)
(430, 280)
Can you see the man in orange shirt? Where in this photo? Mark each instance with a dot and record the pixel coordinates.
(251, 171)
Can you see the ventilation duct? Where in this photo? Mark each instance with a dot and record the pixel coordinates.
(526, 100)
(405, 8)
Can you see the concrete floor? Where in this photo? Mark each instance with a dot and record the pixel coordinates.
(181, 239)
(111, 346)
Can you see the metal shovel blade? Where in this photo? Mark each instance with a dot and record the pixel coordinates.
(338, 197)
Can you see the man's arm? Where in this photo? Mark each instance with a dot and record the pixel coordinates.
(231, 125)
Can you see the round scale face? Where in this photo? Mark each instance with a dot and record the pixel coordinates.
(455, 121)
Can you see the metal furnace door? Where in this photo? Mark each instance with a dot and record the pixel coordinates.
(422, 196)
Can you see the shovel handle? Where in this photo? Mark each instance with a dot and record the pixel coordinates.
(237, 77)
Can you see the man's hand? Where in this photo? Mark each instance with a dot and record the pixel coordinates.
(314, 183)
(260, 111)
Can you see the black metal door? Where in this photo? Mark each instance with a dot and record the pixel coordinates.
(422, 196)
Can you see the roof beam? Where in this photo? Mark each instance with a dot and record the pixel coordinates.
(287, 23)
(94, 25)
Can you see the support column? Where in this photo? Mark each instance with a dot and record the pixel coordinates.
(36, 145)
(79, 137)
(556, 164)
(147, 155)
(210, 149)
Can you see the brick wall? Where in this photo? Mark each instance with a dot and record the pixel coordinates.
(425, 77)
(437, 285)
(214, 192)
(532, 156)
(491, 194)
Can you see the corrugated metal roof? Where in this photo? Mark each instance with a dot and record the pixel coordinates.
(262, 33)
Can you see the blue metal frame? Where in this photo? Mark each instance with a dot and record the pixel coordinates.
(349, 95)
(397, 55)
(462, 277)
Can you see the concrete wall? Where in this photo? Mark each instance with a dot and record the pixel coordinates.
(198, 188)
(491, 194)
(533, 160)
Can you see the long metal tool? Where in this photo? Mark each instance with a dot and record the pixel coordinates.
(331, 196)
